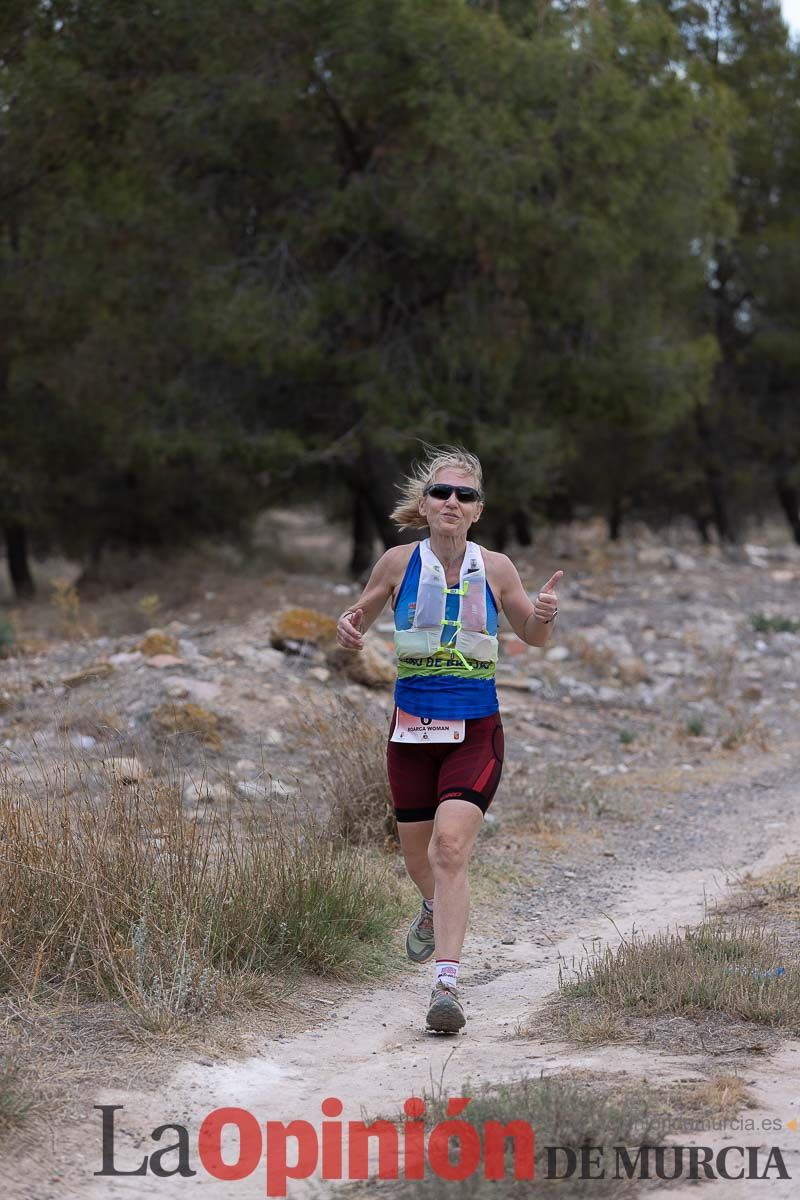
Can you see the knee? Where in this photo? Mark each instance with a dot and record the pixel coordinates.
(446, 854)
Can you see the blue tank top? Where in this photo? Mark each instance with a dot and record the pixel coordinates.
(445, 696)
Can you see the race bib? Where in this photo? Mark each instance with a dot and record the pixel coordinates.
(426, 729)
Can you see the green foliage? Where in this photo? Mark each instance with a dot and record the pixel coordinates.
(6, 636)
(261, 245)
(764, 624)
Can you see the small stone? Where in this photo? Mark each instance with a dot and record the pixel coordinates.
(124, 770)
(156, 643)
(508, 939)
(161, 661)
(125, 658)
(321, 674)
(633, 670)
(371, 667)
(681, 562)
(752, 692)
(98, 670)
(203, 791)
(82, 741)
(557, 654)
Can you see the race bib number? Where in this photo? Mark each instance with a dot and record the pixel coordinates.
(426, 729)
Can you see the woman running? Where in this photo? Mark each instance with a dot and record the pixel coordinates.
(445, 752)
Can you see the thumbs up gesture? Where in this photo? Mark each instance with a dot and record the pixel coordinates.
(545, 605)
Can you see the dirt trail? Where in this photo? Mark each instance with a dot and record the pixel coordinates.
(372, 1054)
(660, 644)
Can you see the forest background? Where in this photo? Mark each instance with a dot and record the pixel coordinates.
(253, 252)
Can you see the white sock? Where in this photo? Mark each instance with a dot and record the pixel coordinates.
(447, 971)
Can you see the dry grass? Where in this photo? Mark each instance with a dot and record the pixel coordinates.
(350, 777)
(776, 891)
(552, 801)
(739, 729)
(711, 968)
(157, 642)
(599, 660)
(171, 720)
(722, 1096)
(133, 899)
(15, 1100)
(596, 1025)
(575, 1110)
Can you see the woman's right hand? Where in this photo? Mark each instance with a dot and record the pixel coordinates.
(348, 630)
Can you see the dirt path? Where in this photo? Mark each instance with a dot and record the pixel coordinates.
(371, 1053)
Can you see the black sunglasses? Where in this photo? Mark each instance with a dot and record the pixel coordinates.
(443, 491)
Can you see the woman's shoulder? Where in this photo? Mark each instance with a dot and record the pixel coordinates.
(500, 572)
(495, 561)
(395, 560)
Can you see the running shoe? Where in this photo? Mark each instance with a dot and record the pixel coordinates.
(445, 1014)
(419, 941)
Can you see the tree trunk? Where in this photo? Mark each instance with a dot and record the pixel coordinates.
(790, 503)
(715, 481)
(702, 522)
(522, 527)
(90, 577)
(363, 529)
(377, 473)
(17, 558)
(614, 518)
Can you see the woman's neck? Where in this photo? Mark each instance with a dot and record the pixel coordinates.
(449, 550)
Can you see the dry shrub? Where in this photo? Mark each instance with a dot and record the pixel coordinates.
(722, 1095)
(739, 729)
(600, 660)
(296, 626)
(593, 1026)
(720, 679)
(15, 1102)
(170, 719)
(552, 798)
(157, 642)
(351, 778)
(709, 968)
(776, 890)
(571, 1109)
(133, 899)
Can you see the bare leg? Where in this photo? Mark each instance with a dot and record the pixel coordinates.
(414, 839)
(455, 829)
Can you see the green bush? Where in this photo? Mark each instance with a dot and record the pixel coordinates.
(764, 624)
(6, 636)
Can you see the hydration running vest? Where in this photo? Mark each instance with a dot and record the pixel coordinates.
(423, 640)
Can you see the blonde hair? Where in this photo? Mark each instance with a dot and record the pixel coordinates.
(406, 514)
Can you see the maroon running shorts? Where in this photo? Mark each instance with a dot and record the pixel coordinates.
(421, 776)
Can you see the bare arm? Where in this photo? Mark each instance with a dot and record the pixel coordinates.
(354, 623)
(531, 620)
